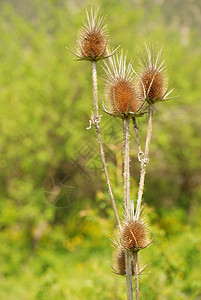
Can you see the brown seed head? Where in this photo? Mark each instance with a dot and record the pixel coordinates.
(123, 97)
(153, 83)
(121, 265)
(93, 44)
(92, 41)
(134, 235)
(153, 86)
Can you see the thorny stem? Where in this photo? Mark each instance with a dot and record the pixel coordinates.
(144, 163)
(126, 167)
(98, 132)
(127, 205)
(135, 258)
(144, 160)
(135, 254)
(137, 135)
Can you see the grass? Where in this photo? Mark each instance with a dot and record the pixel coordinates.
(54, 272)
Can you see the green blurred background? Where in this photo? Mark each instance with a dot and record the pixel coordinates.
(61, 250)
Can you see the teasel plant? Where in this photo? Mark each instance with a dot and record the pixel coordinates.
(127, 95)
(122, 100)
(92, 46)
(153, 88)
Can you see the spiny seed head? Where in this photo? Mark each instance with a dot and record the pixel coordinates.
(123, 97)
(93, 44)
(153, 85)
(92, 41)
(133, 235)
(120, 92)
(120, 262)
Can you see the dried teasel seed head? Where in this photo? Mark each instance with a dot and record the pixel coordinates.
(119, 261)
(93, 39)
(123, 97)
(120, 93)
(121, 264)
(133, 235)
(153, 86)
(153, 83)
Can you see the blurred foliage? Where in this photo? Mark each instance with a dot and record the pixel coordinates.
(45, 104)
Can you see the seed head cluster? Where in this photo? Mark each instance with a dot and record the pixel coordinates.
(126, 92)
(134, 235)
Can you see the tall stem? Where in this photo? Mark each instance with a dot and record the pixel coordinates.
(135, 254)
(135, 259)
(127, 204)
(98, 132)
(135, 127)
(144, 163)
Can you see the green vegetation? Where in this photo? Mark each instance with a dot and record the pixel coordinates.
(45, 103)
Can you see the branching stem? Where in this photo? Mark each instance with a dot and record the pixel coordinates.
(96, 122)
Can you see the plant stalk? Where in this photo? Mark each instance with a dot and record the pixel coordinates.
(127, 204)
(137, 135)
(144, 163)
(135, 259)
(144, 160)
(96, 122)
